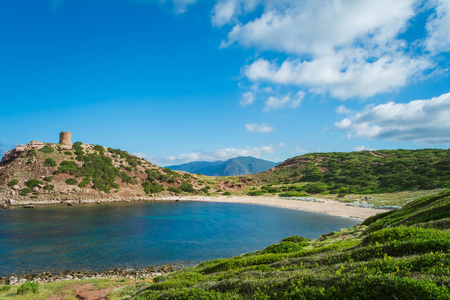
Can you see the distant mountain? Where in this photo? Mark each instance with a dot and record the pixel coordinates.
(232, 167)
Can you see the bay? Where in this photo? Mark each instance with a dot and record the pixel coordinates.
(134, 235)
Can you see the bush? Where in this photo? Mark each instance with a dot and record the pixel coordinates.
(84, 182)
(5, 288)
(284, 247)
(48, 179)
(33, 183)
(294, 194)
(152, 188)
(71, 181)
(226, 193)
(174, 190)
(47, 149)
(49, 187)
(67, 153)
(49, 163)
(13, 182)
(257, 193)
(28, 287)
(69, 167)
(187, 187)
(25, 191)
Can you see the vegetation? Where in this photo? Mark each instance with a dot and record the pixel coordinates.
(402, 254)
(33, 183)
(25, 191)
(28, 287)
(364, 172)
(47, 149)
(13, 182)
(49, 163)
(71, 181)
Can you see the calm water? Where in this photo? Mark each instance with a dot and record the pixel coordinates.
(102, 237)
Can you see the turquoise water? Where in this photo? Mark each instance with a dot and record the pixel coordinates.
(130, 235)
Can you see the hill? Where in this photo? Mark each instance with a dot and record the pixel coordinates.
(53, 172)
(233, 167)
(364, 172)
(401, 254)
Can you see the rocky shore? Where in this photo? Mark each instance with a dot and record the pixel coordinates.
(134, 274)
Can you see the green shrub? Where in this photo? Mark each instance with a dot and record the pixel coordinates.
(31, 152)
(69, 167)
(296, 239)
(294, 194)
(25, 191)
(71, 181)
(174, 190)
(187, 187)
(226, 193)
(257, 193)
(47, 149)
(152, 188)
(27, 287)
(48, 179)
(32, 183)
(284, 247)
(84, 183)
(67, 153)
(49, 187)
(5, 288)
(13, 182)
(49, 163)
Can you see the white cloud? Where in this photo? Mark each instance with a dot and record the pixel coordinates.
(261, 128)
(438, 28)
(180, 6)
(298, 150)
(342, 73)
(362, 148)
(342, 109)
(344, 47)
(281, 102)
(420, 121)
(247, 98)
(221, 154)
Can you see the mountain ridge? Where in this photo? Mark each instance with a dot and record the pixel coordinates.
(241, 165)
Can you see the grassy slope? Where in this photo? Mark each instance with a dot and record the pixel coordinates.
(402, 254)
(364, 172)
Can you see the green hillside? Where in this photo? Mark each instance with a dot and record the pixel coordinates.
(402, 254)
(363, 172)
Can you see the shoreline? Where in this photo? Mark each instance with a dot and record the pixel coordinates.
(325, 206)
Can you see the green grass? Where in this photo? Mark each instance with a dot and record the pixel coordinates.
(397, 255)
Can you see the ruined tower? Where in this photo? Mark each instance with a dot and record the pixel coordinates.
(65, 138)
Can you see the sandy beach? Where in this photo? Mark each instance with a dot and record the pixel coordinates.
(329, 207)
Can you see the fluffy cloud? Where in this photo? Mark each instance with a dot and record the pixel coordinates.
(221, 154)
(362, 148)
(344, 47)
(343, 110)
(261, 128)
(439, 28)
(421, 121)
(281, 102)
(247, 98)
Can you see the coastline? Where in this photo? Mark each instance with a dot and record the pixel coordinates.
(325, 206)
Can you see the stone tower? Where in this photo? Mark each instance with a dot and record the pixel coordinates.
(65, 138)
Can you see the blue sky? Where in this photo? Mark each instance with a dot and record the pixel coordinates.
(184, 80)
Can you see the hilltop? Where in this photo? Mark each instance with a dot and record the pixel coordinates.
(242, 165)
(363, 172)
(55, 172)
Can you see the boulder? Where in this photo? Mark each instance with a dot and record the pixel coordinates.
(35, 189)
(16, 187)
(35, 145)
(11, 201)
(20, 148)
(65, 147)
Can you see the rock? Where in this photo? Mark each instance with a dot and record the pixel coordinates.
(69, 204)
(35, 189)
(28, 206)
(20, 148)
(65, 147)
(35, 145)
(22, 281)
(41, 186)
(16, 187)
(11, 201)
